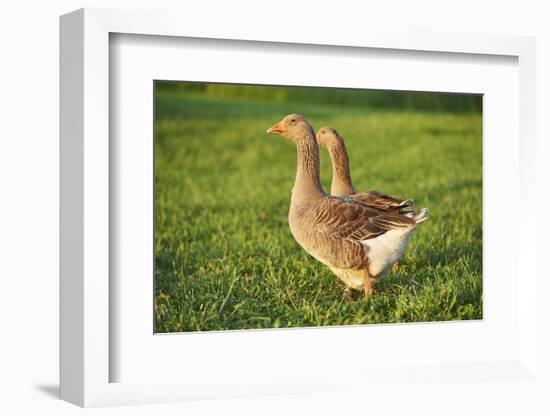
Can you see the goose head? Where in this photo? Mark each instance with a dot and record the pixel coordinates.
(328, 137)
(294, 127)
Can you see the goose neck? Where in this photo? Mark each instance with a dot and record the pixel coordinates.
(341, 177)
(307, 182)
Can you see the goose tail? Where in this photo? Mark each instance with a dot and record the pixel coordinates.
(419, 216)
(407, 203)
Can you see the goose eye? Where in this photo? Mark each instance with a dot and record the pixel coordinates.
(293, 120)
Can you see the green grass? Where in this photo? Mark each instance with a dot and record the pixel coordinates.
(225, 258)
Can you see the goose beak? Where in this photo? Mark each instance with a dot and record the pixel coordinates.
(276, 129)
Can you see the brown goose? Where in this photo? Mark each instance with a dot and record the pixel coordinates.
(342, 185)
(359, 243)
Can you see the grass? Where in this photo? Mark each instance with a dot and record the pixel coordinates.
(225, 258)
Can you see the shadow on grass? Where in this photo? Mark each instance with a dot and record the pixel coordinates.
(433, 264)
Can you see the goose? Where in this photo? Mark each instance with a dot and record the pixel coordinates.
(342, 185)
(357, 242)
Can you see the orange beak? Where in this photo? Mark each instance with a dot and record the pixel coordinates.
(277, 128)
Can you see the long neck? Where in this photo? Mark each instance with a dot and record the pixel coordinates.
(341, 178)
(307, 184)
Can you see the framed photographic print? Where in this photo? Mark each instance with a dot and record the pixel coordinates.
(225, 257)
(273, 213)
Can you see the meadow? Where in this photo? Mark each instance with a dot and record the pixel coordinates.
(224, 255)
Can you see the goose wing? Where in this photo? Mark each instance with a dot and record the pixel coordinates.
(344, 224)
(381, 201)
(343, 217)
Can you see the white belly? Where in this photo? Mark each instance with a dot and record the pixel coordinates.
(386, 249)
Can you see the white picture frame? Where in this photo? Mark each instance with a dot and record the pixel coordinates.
(86, 348)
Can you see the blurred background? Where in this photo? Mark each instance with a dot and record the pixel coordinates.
(225, 258)
(305, 96)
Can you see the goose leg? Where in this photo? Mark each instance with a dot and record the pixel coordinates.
(368, 287)
(348, 296)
